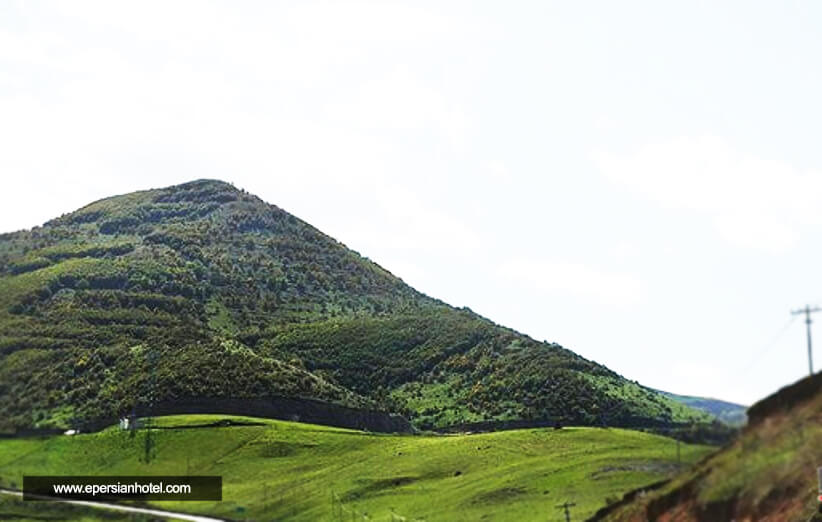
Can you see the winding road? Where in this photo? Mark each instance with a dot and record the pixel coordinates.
(172, 515)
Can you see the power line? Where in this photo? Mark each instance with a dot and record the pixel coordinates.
(808, 311)
(770, 344)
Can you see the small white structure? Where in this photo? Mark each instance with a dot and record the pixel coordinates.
(129, 423)
(70, 432)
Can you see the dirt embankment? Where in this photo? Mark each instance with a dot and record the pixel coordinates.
(768, 473)
(785, 399)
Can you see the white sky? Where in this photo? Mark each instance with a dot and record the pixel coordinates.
(639, 182)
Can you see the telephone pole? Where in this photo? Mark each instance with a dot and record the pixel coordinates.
(567, 509)
(678, 459)
(808, 311)
(149, 447)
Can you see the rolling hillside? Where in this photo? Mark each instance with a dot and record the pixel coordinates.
(730, 413)
(274, 470)
(769, 473)
(202, 290)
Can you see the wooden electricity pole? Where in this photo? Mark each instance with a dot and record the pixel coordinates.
(678, 459)
(808, 311)
(567, 509)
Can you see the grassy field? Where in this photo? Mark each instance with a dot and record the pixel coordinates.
(276, 470)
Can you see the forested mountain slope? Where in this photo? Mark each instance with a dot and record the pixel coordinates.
(203, 290)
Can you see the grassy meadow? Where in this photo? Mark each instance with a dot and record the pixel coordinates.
(275, 470)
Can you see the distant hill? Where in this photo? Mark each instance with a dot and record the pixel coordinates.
(728, 412)
(768, 474)
(203, 290)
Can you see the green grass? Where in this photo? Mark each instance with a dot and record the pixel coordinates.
(442, 403)
(290, 471)
(768, 472)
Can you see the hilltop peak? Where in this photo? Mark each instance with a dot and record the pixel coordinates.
(190, 201)
(238, 298)
(203, 183)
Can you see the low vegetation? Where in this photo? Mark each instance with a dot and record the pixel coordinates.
(769, 473)
(276, 470)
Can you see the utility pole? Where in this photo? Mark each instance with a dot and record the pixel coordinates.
(567, 509)
(149, 447)
(678, 459)
(819, 472)
(808, 311)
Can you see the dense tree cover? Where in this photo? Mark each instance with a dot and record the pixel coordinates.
(445, 366)
(230, 296)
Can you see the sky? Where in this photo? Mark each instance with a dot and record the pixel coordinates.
(640, 182)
